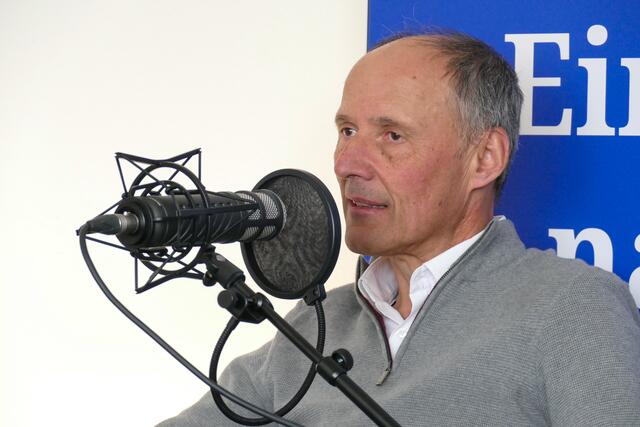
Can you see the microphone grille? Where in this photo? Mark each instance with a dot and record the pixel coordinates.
(260, 224)
(271, 209)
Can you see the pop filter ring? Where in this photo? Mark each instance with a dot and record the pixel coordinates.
(333, 225)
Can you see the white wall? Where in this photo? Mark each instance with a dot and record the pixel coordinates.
(254, 83)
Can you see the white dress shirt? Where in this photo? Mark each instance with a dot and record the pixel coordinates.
(379, 286)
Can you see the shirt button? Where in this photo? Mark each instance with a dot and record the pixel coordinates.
(402, 333)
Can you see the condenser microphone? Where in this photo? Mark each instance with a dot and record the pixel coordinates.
(185, 219)
(288, 227)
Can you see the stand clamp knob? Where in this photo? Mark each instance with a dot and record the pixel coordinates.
(343, 358)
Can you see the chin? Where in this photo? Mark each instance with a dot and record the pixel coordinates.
(362, 244)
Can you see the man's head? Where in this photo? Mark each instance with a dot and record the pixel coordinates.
(427, 126)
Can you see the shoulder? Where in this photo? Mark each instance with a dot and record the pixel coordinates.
(557, 283)
(542, 285)
(560, 276)
(502, 258)
(340, 302)
(573, 299)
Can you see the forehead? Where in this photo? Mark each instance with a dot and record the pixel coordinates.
(402, 75)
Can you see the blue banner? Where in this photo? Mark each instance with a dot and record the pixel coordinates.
(575, 182)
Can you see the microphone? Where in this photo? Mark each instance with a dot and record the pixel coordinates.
(288, 226)
(182, 219)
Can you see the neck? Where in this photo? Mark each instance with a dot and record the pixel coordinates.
(403, 265)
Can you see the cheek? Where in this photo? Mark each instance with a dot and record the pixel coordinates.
(425, 190)
(387, 156)
(416, 197)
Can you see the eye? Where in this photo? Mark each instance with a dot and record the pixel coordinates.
(394, 136)
(347, 131)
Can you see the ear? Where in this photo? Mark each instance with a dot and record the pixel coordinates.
(490, 157)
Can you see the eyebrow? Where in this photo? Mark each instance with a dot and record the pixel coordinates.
(379, 121)
(341, 118)
(386, 121)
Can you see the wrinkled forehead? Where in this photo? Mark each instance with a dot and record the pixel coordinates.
(404, 57)
(403, 72)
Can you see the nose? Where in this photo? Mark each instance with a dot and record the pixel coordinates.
(352, 158)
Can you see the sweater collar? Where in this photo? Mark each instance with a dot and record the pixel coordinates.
(499, 245)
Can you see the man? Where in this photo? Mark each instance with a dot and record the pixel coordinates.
(454, 322)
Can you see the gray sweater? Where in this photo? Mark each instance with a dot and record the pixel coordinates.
(508, 337)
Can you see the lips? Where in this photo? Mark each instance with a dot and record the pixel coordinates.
(364, 203)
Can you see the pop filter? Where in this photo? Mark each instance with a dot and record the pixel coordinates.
(305, 252)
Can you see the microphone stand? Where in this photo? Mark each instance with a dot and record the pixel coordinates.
(248, 306)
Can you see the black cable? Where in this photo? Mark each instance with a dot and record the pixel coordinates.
(82, 233)
(215, 357)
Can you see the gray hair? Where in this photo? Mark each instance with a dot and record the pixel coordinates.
(484, 84)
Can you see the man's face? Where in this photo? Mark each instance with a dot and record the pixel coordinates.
(400, 163)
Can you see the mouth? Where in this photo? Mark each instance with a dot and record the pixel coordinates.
(366, 204)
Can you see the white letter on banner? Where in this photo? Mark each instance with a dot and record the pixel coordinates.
(633, 125)
(567, 244)
(524, 46)
(634, 280)
(596, 87)
(596, 97)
